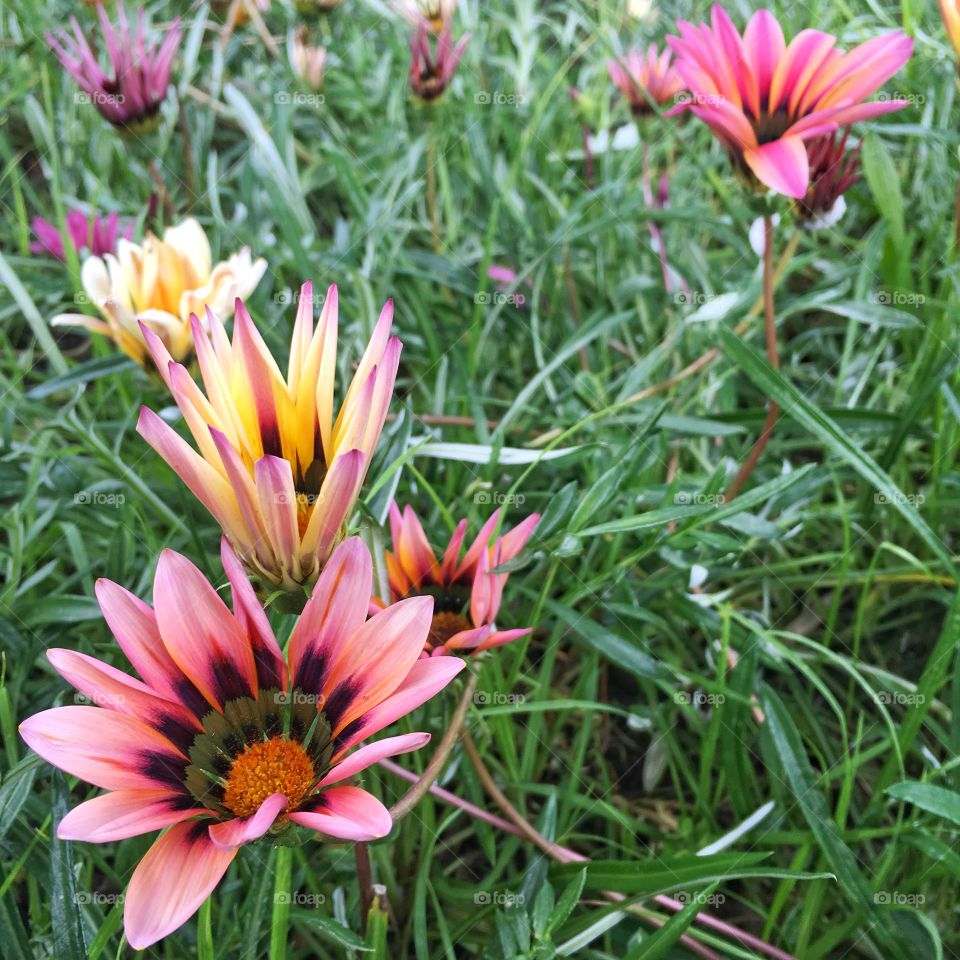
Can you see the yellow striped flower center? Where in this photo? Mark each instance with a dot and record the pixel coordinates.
(270, 766)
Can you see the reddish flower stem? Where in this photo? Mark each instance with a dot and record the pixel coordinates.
(565, 855)
(437, 762)
(773, 354)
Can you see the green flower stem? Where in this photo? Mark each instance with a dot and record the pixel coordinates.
(281, 903)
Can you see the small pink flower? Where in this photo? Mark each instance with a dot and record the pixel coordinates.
(764, 99)
(431, 73)
(645, 78)
(94, 234)
(139, 75)
(466, 594)
(222, 739)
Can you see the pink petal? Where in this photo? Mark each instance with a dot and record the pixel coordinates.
(125, 813)
(347, 813)
(278, 507)
(134, 625)
(376, 659)
(170, 883)
(107, 749)
(230, 834)
(373, 753)
(426, 678)
(267, 655)
(200, 633)
(781, 165)
(334, 612)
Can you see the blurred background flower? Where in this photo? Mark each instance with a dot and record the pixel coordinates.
(89, 233)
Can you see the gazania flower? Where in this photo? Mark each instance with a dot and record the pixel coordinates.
(466, 594)
(431, 73)
(950, 12)
(277, 471)
(161, 283)
(435, 14)
(223, 741)
(833, 170)
(306, 60)
(131, 93)
(763, 99)
(92, 233)
(646, 78)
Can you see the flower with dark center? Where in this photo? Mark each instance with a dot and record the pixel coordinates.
(764, 99)
(466, 593)
(278, 467)
(222, 740)
(645, 79)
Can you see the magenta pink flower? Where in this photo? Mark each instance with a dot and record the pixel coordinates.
(646, 78)
(139, 75)
(466, 594)
(431, 73)
(94, 234)
(763, 98)
(222, 739)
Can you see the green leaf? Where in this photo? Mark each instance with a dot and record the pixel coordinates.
(884, 181)
(331, 930)
(64, 917)
(82, 373)
(663, 874)
(658, 943)
(794, 404)
(936, 800)
(567, 902)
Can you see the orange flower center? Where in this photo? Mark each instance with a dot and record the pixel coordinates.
(445, 625)
(272, 766)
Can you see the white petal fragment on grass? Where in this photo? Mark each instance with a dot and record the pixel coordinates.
(484, 453)
(730, 838)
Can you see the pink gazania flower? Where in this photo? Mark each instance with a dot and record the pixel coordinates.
(307, 61)
(431, 73)
(466, 594)
(94, 234)
(646, 79)
(276, 470)
(221, 739)
(130, 94)
(833, 171)
(764, 99)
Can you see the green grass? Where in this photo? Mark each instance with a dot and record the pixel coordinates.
(621, 728)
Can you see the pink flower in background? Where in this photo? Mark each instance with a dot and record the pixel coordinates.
(645, 78)
(223, 740)
(94, 234)
(130, 94)
(763, 98)
(431, 73)
(434, 14)
(466, 594)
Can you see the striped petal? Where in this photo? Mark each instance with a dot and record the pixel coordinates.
(373, 753)
(170, 883)
(200, 633)
(235, 833)
(126, 813)
(781, 165)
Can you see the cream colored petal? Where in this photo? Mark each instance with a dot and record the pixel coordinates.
(189, 240)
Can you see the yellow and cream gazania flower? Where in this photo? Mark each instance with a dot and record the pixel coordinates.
(435, 14)
(276, 468)
(161, 282)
